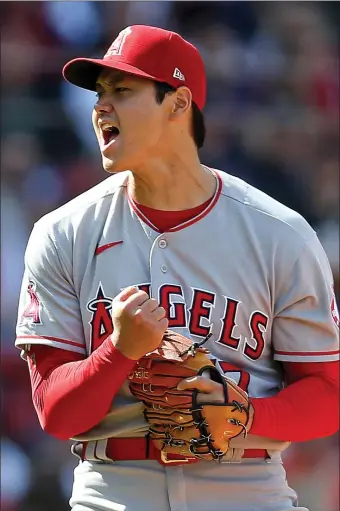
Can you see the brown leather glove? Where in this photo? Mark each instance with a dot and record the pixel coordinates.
(187, 422)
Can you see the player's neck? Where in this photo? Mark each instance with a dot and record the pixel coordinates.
(173, 186)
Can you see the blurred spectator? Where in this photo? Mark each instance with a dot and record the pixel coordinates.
(272, 118)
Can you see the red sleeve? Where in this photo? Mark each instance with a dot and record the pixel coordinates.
(307, 409)
(72, 394)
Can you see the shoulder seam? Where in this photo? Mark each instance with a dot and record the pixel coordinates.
(61, 261)
(270, 215)
(83, 206)
(301, 251)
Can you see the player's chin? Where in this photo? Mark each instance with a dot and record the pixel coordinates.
(112, 156)
(113, 165)
(108, 165)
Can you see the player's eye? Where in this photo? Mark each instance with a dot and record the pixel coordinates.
(118, 90)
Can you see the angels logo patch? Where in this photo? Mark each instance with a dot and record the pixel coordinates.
(32, 310)
(334, 310)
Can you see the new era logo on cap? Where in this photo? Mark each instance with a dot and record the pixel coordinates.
(177, 74)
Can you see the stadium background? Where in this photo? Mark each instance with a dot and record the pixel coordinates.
(272, 119)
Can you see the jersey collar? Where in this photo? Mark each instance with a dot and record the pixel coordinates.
(192, 221)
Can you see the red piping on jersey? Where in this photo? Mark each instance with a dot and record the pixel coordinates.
(64, 341)
(192, 221)
(307, 353)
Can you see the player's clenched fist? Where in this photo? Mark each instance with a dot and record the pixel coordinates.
(138, 323)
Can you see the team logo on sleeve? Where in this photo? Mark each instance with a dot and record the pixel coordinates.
(32, 311)
(334, 310)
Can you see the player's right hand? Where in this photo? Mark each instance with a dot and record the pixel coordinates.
(138, 321)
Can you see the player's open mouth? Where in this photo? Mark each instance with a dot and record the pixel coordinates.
(109, 133)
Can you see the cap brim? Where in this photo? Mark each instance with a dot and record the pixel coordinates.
(84, 72)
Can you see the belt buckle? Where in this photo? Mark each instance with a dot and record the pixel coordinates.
(165, 460)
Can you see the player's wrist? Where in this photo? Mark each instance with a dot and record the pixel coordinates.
(108, 353)
(127, 351)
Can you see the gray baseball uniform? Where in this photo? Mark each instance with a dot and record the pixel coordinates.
(248, 269)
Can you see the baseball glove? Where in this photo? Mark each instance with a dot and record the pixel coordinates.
(187, 422)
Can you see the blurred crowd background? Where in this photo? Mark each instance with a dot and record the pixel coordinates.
(272, 119)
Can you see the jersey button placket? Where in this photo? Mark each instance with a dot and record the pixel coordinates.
(162, 243)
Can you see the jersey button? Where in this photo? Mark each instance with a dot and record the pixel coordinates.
(162, 244)
(164, 268)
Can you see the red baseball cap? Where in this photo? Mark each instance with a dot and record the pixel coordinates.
(149, 52)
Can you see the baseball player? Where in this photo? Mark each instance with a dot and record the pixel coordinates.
(166, 242)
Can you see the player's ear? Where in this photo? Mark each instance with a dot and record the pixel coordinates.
(182, 100)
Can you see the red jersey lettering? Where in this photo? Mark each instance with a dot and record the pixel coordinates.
(229, 323)
(258, 324)
(175, 312)
(199, 311)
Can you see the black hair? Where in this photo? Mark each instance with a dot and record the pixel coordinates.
(198, 126)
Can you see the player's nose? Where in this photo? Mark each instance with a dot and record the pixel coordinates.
(103, 106)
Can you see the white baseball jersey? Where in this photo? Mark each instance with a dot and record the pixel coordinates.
(247, 269)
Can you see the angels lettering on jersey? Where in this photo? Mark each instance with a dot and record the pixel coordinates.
(196, 318)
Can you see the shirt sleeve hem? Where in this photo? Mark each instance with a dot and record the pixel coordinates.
(26, 340)
(312, 356)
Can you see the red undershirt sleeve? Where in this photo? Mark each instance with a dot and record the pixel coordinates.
(72, 394)
(307, 409)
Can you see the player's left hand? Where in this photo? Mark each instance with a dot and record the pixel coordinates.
(213, 389)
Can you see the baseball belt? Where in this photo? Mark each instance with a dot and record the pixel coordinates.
(123, 449)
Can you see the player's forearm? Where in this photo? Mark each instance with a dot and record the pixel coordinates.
(305, 410)
(76, 396)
